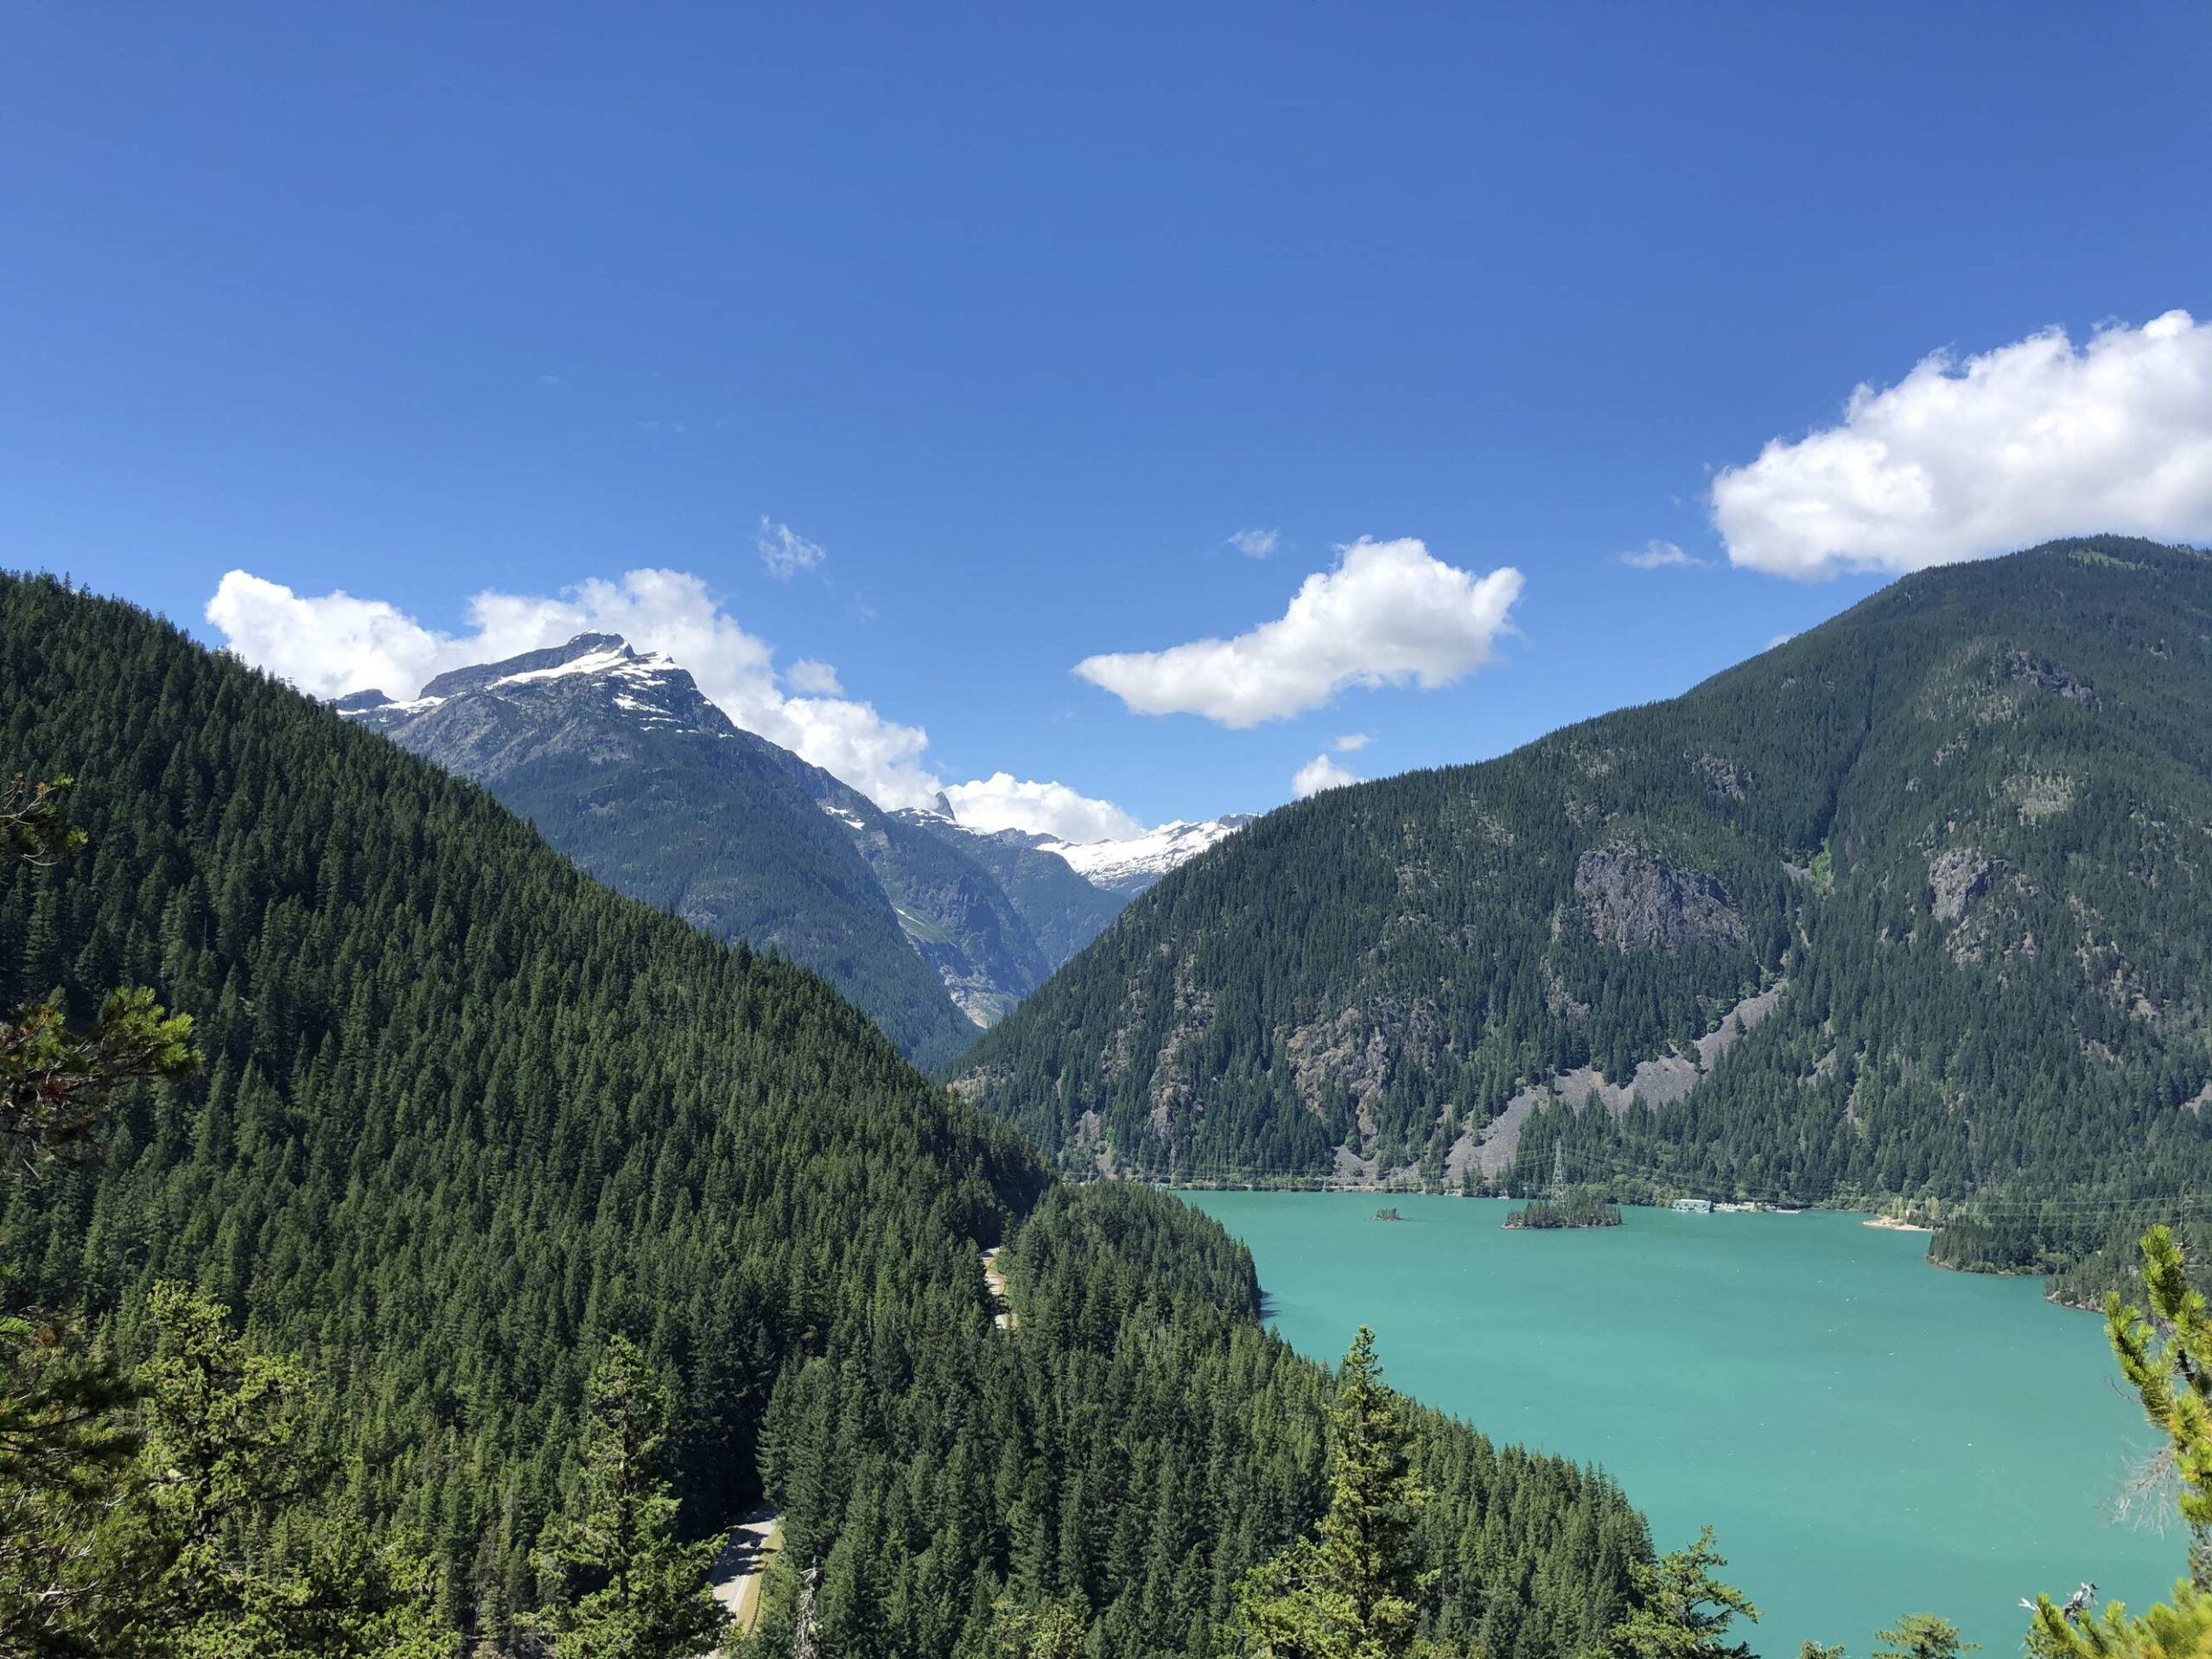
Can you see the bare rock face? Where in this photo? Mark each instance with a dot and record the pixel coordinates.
(2021, 666)
(1723, 777)
(1955, 878)
(1635, 903)
(1352, 1051)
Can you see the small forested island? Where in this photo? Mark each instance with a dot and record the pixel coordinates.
(1580, 1206)
(1390, 1214)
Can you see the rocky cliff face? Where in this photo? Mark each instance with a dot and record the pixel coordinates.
(1636, 903)
(1064, 911)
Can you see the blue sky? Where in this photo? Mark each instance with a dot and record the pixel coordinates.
(1017, 316)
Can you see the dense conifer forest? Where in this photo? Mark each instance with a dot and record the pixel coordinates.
(1962, 832)
(488, 1148)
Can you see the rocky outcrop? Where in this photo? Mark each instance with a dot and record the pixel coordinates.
(1723, 777)
(2021, 666)
(1353, 1053)
(1957, 877)
(1636, 903)
(1170, 1090)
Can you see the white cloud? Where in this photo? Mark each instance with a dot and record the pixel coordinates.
(2033, 441)
(1254, 544)
(1320, 773)
(1390, 614)
(1003, 802)
(815, 679)
(1660, 555)
(1351, 742)
(785, 551)
(334, 643)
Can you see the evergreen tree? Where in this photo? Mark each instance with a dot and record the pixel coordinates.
(55, 1083)
(1682, 1611)
(2166, 1357)
(1922, 1635)
(2163, 1353)
(1053, 1631)
(1354, 1590)
(629, 1590)
(65, 1440)
(140, 1510)
(222, 1545)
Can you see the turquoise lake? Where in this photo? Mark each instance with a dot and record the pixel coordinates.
(1868, 1434)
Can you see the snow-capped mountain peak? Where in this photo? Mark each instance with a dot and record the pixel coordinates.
(619, 660)
(1126, 867)
(1133, 864)
(647, 687)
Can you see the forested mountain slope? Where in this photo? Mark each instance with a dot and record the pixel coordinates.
(624, 764)
(465, 1114)
(1953, 845)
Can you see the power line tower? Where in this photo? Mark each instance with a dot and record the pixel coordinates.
(1559, 1170)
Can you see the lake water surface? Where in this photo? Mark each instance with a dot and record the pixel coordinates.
(1869, 1435)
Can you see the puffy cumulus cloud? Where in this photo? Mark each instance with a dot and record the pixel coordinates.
(1254, 544)
(816, 679)
(1351, 742)
(1660, 555)
(1388, 614)
(1961, 459)
(334, 643)
(785, 551)
(1320, 773)
(328, 645)
(1004, 802)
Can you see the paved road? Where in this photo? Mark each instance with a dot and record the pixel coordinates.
(736, 1575)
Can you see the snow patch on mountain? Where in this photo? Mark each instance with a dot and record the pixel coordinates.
(1126, 866)
(1135, 863)
(620, 662)
(648, 686)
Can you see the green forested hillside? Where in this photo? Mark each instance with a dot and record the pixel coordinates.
(465, 1115)
(1961, 834)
